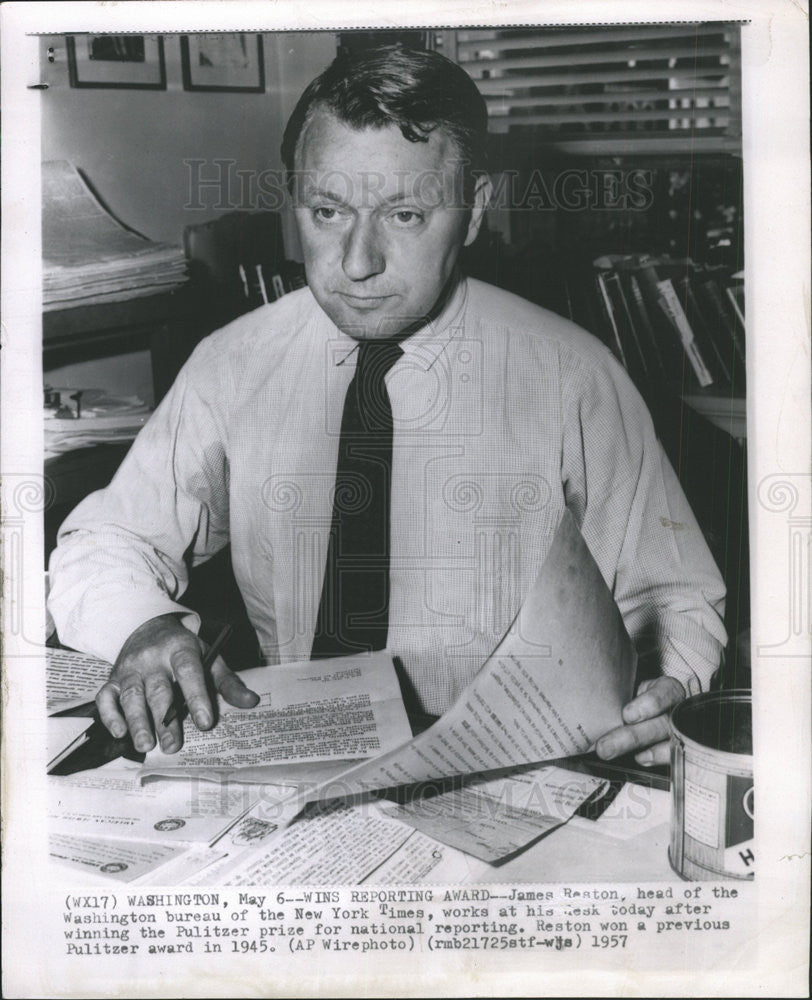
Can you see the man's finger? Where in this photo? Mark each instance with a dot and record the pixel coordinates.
(188, 669)
(656, 699)
(107, 704)
(626, 739)
(133, 703)
(660, 753)
(231, 686)
(159, 693)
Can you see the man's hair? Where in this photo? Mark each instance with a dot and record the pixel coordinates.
(416, 90)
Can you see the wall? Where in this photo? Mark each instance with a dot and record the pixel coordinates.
(133, 145)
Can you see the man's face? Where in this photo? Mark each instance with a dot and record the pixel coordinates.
(381, 222)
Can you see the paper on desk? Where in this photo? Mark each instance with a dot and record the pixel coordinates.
(334, 844)
(417, 859)
(184, 869)
(313, 712)
(72, 679)
(554, 685)
(422, 859)
(492, 818)
(121, 860)
(88, 256)
(111, 802)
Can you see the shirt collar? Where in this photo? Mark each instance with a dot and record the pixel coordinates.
(425, 345)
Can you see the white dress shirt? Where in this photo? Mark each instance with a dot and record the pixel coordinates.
(503, 413)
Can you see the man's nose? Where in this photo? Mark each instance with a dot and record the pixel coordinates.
(363, 253)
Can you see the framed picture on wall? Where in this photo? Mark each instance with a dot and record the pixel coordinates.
(125, 61)
(223, 62)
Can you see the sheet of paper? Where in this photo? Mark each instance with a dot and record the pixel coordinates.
(185, 869)
(325, 710)
(553, 686)
(421, 860)
(62, 733)
(278, 804)
(72, 678)
(334, 844)
(497, 817)
(122, 860)
(113, 803)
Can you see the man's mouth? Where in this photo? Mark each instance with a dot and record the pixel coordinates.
(364, 301)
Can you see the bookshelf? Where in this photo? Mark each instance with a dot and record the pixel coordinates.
(670, 320)
(689, 231)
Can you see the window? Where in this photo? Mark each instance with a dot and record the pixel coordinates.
(609, 89)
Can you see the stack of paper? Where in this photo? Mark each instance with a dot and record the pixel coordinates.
(104, 418)
(112, 822)
(88, 256)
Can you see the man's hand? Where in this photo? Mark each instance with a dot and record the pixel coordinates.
(646, 718)
(139, 690)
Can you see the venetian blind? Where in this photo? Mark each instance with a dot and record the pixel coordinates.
(649, 88)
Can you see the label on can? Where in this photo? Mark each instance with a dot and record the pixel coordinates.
(739, 856)
(701, 814)
(740, 860)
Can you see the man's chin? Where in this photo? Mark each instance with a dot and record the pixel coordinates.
(369, 325)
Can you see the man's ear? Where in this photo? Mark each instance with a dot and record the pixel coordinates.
(482, 195)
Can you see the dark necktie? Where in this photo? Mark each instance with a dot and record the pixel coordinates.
(353, 612)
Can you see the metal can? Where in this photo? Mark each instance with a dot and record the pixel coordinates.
(712, 787)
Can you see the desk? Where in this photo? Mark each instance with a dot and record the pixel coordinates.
(169, 325)
(627, 844)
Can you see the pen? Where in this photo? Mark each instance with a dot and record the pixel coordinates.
(210, 656)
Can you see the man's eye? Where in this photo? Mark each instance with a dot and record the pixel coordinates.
(325, 214)
(407, 217)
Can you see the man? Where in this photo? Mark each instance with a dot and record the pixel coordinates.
(490, 416)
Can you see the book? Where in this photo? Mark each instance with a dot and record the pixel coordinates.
(278, 285)
(735, 294)
(614, 340)
(723, 326)
(644, 269)
(672, 307)
(637, 364)
(646, 327)
(718, 364)
(293, 275)
(253, 285)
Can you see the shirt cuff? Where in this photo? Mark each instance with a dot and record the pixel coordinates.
(104, 633)
(683, 662)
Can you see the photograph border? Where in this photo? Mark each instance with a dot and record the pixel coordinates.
(772, 958)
